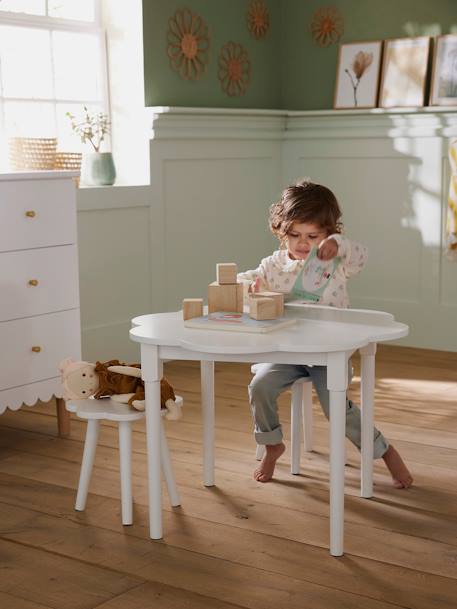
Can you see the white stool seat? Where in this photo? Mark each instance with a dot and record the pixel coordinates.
(104, 409)
(301, 415)
(95, 411)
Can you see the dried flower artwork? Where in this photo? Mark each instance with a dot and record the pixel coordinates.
(327, 26)
(449, 85)
(404, 72)
(362, 61)
(188, 44)
(258, 18)
(444, 76)
(234, 69)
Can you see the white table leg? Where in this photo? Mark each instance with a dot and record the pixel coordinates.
(367, 355)
(337, 459)
(151, 370)
(207, 393)
(337, 369)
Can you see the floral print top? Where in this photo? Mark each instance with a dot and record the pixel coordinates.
(279, 272)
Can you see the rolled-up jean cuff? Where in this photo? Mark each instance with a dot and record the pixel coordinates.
(380, 447)
(269, 437)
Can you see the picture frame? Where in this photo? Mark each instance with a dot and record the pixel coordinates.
(443, 91)
(357, 77)
(404, 72)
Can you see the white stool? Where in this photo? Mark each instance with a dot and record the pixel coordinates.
(301, 415)
(95, 411)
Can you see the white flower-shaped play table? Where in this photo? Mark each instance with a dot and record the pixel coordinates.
(321, 336)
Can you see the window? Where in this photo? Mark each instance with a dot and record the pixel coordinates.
(52, 61)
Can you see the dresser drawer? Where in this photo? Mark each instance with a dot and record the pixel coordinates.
(52, 337)
(36, 213)
(33, 282)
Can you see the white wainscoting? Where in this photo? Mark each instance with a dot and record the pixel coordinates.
(114, 266)
(214, 173)
(391, 175)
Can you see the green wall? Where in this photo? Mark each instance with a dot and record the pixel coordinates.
(227, 21)
(308, 71)
(288, 70)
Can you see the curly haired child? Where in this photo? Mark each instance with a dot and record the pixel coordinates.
(307, 216)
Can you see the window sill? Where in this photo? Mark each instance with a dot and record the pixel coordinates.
(116, 185)
(118, 196)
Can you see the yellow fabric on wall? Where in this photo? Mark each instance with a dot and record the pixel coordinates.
(451, 224)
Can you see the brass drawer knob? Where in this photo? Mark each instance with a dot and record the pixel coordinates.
(30, 214)
(36, 349)
(33, 282)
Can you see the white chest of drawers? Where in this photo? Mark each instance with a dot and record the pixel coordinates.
(39, 287)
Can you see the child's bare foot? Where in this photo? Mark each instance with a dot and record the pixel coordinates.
(264, 472)
(397, 468)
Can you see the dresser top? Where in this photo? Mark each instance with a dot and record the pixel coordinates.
(38, 175)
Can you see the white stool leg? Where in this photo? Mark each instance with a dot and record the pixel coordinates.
(168, 471)
(308, 416)
(296, 425)
(90, 446)
(125, 459)
(259, 452)
(207, 393)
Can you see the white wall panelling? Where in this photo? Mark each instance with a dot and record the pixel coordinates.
(214, 172)
(113, 228)
(389, 173)
(213, 175)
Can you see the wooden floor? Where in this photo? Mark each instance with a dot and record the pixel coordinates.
(241, 543)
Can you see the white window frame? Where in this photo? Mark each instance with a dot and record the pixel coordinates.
(56, 24)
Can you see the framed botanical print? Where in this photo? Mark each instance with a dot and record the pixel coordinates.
(444, 75)
(404, 72)
(357, 77)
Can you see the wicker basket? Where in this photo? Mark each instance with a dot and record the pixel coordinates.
(68, 160)
(32, 153)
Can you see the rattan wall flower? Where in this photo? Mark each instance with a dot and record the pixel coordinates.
(258, 18)
(360, 64)
(188, 44)
(234, 69)
(327, 26)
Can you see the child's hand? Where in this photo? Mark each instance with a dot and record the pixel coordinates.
(327, 250)
(255, 286)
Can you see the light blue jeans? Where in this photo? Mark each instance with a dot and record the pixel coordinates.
(272, 379)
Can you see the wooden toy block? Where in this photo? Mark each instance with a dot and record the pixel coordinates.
(278, 297)
(225, 297)
(226, 273)
(192, 307)
(262, 308)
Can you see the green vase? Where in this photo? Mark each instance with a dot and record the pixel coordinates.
(97, 169)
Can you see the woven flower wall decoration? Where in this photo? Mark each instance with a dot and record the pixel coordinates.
(327, 26)
(234, 69)
(258, 18)
(188, 44)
